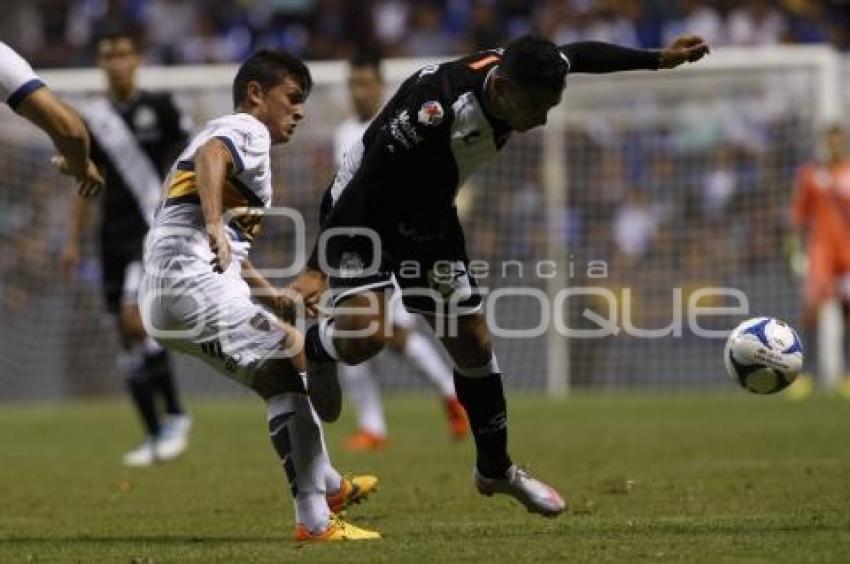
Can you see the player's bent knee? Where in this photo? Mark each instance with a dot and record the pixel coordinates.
(359, 337)
(359, 349)
(277, 376)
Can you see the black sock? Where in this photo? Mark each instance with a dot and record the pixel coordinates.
(313, 348)
(484, 401)
(141, 390)
(158, 366)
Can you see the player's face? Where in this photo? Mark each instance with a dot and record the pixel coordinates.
(280, 108)
(366, 90)
(526, 108)
(119, 60)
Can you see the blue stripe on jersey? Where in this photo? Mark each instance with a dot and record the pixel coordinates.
(237, 159)
(21, 93)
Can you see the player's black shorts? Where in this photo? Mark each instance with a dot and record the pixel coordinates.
(121, 266)
(426, 254)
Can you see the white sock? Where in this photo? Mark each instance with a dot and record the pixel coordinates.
(297, 437)
(365, 396)
(425, 356)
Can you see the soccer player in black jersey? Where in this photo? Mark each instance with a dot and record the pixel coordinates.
(136, 134)
(396, 190)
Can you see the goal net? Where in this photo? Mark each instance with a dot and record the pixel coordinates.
(645, 192)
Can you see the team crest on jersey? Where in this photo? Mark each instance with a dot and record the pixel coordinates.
(260, 322)
(351, 265)
(431, 113)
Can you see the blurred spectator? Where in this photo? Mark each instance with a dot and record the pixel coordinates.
(427, 36)
(635, 227)
(62, 32)
(698, 18)
(167, 23)
(757, 22)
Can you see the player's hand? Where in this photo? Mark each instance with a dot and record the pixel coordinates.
(89, 181)
(311, 284)
(284, 305)
(219, 245)
(69, 260)
(685, 49)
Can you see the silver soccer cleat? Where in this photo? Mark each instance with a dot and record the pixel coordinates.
(536, 496)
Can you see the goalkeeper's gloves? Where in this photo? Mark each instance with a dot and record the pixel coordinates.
(798, 261)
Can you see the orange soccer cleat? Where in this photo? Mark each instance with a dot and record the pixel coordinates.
(364, 440)
(458, 423)
(353, 490)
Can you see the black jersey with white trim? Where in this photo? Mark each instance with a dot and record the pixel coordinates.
(161, 131)
(427, 139)
(431, 135)
(435, 131)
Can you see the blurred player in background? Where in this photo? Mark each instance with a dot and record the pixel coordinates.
(366, 88)
(26, 94)
(136, 134)
(821, 216)
(198, 286)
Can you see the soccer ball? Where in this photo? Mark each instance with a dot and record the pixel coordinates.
(763, 355)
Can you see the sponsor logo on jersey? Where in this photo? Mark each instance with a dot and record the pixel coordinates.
(403, 130)
(415, 235)
(431, 113)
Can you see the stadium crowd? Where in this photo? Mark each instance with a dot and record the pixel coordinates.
(54, 33)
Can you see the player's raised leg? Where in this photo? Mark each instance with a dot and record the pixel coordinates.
(478, 381)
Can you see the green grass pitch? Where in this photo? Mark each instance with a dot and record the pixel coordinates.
(676, 478)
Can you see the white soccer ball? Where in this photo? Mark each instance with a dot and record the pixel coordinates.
(763, 355)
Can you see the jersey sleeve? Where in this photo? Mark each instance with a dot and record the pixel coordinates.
(17, 79)
(598, 57)
(248, 143)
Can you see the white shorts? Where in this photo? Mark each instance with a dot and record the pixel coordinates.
(191, 309)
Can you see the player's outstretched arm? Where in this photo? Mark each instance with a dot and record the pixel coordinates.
(598, 57)
(212, 162)
(68, 133)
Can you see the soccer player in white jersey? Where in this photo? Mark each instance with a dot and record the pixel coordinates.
(366, 89)
(195, 295)
(27, 94)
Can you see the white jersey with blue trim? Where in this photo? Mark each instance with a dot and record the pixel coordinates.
(17, 79)
(248, 183)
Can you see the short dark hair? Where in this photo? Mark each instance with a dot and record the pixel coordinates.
(269, 68)
(368, 58)
(118, 33)
(534, 61)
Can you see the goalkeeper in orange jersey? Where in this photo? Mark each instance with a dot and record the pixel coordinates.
(821, 215)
